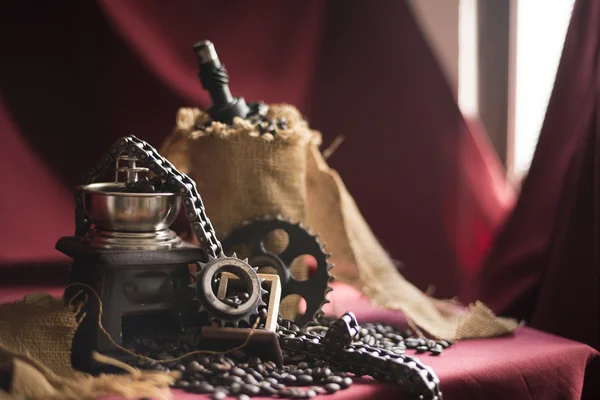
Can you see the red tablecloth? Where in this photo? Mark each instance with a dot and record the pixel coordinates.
(527, 365)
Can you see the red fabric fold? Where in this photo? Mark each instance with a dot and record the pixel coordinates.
(429, 184)
(544, 264)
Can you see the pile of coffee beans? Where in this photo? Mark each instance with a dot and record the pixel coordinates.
(268, 126)
(384, 336)
(387, 337)
(238, 375)
(262, 124)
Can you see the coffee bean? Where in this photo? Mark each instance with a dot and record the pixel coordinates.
(275, 375)
(243, 397)
(251, 390)
(268, 390)
(194, 366)
(204, 387)
(260, 369)
(263, 313)
(250, 379)
(334, 379)
(411, 343)
(270, 365)
(422, 349)
(235, 388)
(346, 382)
(436, 350)
(233, 379)
(332, 387)
(218, 395)
(223, 389)
(302, 365)
(219, 367)
(238, 371)
(290, 380)
(317, 389)
(182, 384)
(204, 361)
(444, 343)
(272, 381)
(201, 376)
(304, 380)
(258, 376)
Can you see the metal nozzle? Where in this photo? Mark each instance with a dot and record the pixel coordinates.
(215, 79)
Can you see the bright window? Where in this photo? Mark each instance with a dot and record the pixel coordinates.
(541, 26)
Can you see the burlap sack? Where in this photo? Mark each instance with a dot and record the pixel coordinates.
(241, 174)
(35, 353)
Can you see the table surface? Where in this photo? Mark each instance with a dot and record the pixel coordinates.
(526, 365)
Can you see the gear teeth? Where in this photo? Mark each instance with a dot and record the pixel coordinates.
(246, 260)
(234, 255)
(265, 223)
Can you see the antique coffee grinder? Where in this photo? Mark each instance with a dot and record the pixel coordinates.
(125, 251)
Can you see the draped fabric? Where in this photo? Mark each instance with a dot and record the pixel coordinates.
(78, 75)
(544, 265)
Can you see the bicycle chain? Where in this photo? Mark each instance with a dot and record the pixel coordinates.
(337, 348)
(176, 181)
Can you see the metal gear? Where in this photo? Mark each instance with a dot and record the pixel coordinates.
(219, 311)
(301, 241)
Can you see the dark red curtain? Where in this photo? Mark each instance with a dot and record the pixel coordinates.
(77, 75)
(544, 266)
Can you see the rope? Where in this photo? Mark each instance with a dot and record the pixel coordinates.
(145, 358)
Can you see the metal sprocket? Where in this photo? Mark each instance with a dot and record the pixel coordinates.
(219, 311)
(301, 241)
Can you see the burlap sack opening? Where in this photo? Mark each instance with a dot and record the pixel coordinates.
(35, 353)
(241, 174)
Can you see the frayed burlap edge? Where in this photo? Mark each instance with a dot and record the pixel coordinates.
(35, 341)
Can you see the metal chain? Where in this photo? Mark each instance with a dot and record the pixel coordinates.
(177, 183)
(337, 348)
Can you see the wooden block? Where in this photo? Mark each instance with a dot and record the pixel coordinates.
(262, 343)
